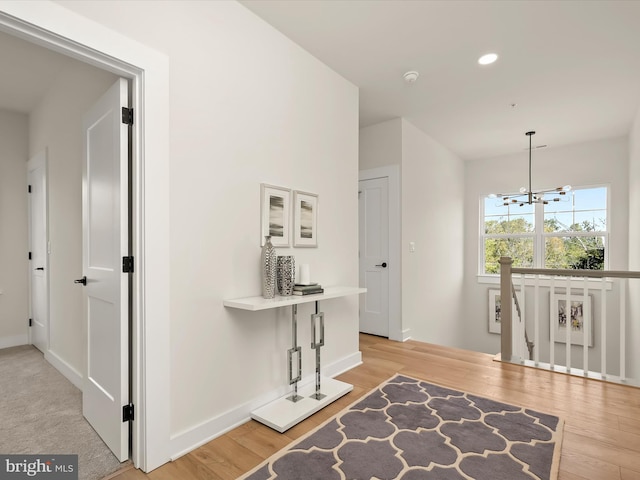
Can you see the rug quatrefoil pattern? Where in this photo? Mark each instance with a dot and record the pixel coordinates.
(413, 430)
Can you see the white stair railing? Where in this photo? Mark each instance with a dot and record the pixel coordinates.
(572, 318)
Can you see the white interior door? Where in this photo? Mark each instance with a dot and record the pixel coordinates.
(374, 255)
(105, 243)
(38, 241)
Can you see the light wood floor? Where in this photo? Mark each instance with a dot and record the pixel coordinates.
(602, 421)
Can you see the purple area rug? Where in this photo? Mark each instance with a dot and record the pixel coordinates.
(413, 430)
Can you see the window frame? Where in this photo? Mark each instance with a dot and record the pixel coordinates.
(539, 235)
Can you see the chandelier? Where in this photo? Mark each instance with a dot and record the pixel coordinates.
(529, 197)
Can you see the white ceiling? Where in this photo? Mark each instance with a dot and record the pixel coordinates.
(27, 72)
(572, 67)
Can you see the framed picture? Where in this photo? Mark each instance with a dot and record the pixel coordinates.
(305, 219)
(495, 310)
(275, 214)
(574, 318)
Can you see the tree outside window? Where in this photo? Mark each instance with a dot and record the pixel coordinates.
(569, 234)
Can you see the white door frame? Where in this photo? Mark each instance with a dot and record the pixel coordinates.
(54, 27)
(392, 172)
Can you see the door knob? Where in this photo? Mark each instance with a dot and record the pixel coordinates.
(383, 265)
(82, 280)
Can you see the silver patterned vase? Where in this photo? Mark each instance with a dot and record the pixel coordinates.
(268, 269)
(286, 274)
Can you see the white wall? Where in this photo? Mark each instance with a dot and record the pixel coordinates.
(634, 244)
(592, 163)
(14, 248)
(432, 217)
(56, 124)
(432, 275)
(381, 145)
(247, 106)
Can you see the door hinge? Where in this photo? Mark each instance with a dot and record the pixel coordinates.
(29, 189)
(30, 321)
(127, 116)
(127, 264)
(29, 255)
(127, 413)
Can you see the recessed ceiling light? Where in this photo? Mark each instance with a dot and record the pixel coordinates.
(488, 58)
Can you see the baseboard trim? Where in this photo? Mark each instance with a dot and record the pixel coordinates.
(400, 335)
(64, 368)
(406, 334)
(14, 341)
(188, 440)
(342, 365)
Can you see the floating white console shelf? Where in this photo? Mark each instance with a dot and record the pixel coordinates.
(259, 303)
(289, 410)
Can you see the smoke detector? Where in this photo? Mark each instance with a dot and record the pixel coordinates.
(411, 76)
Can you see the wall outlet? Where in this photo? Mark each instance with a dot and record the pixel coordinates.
(412, 247)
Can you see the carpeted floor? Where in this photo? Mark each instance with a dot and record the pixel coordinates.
(41, 413)
(409, 429)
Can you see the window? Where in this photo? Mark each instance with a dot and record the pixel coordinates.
(572, 233)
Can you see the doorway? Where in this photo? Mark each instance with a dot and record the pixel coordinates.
(74, 85)
(392, 232)
(50, 25)
(38, 251)
(373, 220)
(59, 324)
